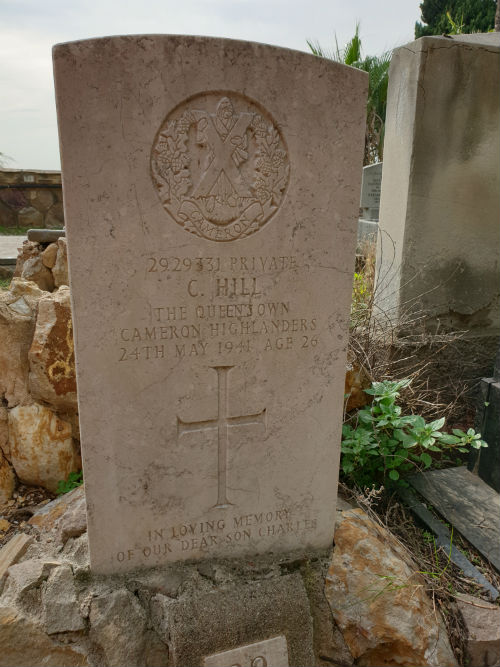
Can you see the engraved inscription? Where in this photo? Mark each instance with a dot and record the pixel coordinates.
(205, 536)
(268, 653)
(222, 423)
(220, 165)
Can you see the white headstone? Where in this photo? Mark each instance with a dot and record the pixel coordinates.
(211, 273)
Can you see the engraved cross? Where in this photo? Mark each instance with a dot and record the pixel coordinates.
(222, 423)
(223, 160)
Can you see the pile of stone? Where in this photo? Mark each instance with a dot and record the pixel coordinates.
(39, 436)
(44, 262)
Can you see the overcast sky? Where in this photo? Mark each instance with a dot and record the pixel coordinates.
(29, 28)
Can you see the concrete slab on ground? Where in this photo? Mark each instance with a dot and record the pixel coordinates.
(8, 248)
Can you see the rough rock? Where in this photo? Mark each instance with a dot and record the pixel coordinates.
(378, 599)
(73, 523)
(7, 480)
(118, 624)
(60, 604)
(49, 255)
(4, 431)
(76, 551)
(26, 576)
(483, 628)
(41, 447)
(72, 418)
(329, 644)
(12, 551)
(65, 515)
(18, 308)
(24, 644)
(34, 270)
(60, 268)
(52, 377)
(29, 249)
(29, 217)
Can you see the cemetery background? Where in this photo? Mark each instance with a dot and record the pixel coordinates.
(53, 330)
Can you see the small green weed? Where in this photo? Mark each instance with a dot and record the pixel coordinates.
(361, 291)
(438, 572)
(4, 283)
(384, 445)
(74, 480)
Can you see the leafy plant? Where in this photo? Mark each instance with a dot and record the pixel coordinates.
(75, 479)
(383, 446)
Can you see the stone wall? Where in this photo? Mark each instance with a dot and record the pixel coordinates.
(31, 199)
(39, 435)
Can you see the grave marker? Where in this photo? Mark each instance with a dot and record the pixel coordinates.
(211, 331)
(371, 186)
(268, 653)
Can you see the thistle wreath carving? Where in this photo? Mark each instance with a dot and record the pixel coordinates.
(220, 166)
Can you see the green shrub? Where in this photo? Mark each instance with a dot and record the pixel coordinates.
(385, 445)
(74, 480)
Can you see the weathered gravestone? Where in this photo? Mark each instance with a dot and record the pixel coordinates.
(215, 185)
(371, 185)
(439, 206)
(369, 205)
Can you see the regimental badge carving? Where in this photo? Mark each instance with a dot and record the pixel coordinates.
(220, 165)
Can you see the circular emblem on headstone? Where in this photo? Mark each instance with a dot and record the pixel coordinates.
(220, 165)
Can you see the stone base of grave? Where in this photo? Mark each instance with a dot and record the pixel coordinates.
(313, 609)
(249, 603)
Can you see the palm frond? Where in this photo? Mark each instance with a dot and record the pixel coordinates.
(377, 68)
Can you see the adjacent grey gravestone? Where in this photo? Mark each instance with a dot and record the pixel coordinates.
(439, 208)
(371, 186)
(369, 204)
(212, 186)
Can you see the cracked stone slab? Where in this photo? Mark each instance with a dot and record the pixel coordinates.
(225, 620)
(468, 503)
